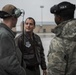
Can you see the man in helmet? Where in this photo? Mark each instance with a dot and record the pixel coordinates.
(9, 61)
(62, 49)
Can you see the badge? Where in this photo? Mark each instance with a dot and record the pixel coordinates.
(28, 44)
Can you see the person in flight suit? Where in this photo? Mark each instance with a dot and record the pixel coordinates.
(62, 49)
(32, 49)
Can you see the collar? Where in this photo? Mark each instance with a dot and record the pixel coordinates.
(59, 28)
(8, 29)
(26, 34)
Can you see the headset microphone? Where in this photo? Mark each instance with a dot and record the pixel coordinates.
(22, 12)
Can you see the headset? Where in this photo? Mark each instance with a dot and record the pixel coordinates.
(61, 7)
(15, 13)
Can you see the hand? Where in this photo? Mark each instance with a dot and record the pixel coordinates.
(44, 72)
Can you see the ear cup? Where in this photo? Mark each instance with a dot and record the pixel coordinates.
(16, 12)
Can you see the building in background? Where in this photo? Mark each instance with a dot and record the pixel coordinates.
(45, 28)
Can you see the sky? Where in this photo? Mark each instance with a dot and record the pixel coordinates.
(32, 8)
